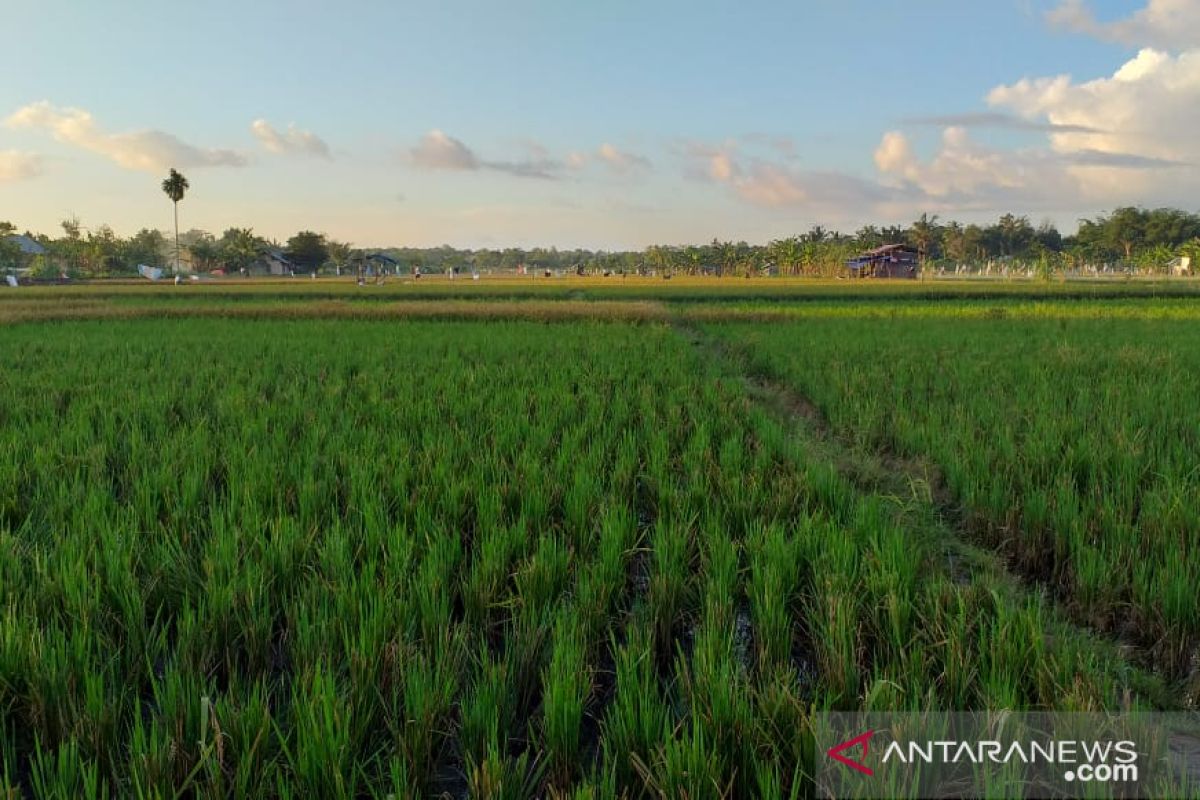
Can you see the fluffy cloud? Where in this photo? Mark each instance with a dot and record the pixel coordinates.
(994, 119)
(964, 175)
(1148, 107)
(1173, 24)
(769, 183)
(437, 150)
(289, 142)
(151, 151)
(1123, 138)
(620, 160)
(440, 151)
(18, 166)
(960, 169)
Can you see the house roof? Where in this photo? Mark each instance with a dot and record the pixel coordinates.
(887, 249)
(29, 246)
(278, 255)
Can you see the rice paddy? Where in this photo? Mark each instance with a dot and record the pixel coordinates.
(573, 544)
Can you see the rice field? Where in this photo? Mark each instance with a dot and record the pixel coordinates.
(563, 546)
(1068, 442)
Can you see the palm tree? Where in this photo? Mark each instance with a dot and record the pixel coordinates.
(242, 248)
(924, 235)
(175, 186)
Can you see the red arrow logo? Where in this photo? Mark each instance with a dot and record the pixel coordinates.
(864, 739)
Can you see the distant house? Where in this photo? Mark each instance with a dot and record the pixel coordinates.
(1181, 266)
(28, 249)
(274, 262)
(28, 245)
(374, 265)
(889, 261)
(382, 262)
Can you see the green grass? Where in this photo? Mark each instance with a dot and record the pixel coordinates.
(341, 557)
(1069, 442)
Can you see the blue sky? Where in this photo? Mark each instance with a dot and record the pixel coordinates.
(599, 124)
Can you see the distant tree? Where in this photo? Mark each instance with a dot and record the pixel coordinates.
(239, 248)
(205, 254)
(868, 237)
(10, 253)
(1014, 234)
(101, 252)
(816, 234)
(1048, 237)
(924, 235)
(954, 242)
(974, 242)
(786, 254)
(337, 254)
(175, 186)
(144, 247)
(1125, 229)
(1191, 250)
(68, 251)
(307, 250)
(72, 227)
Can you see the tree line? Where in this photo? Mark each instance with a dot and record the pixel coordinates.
(1127, 238)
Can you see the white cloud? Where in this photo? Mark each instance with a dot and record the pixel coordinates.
(1148, 107)
(437, 150)
(1173, 24)
(771, 184)
(1145, 116)
(994, 119)
(18, 166)
(620, 160)
(960, 169)
(440, 151)
(149, 150)
(1124, 138)
(291, 141)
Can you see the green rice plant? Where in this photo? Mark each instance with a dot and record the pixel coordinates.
(64, 773)
(687, 765)
(505, 778)
(526, 645)
(430, 683)
(638, 718)
(782, 727)
(398, 782)
(248, 750)
(716, 690)
(566, 684)
(668, 589)
(772, 588)
(486, 583)
(320, 751)
(1082, 467)
(542, 579)
(486, 710)
(340, 555)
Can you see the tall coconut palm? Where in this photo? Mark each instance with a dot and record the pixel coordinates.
(923, 234)
(175, 187)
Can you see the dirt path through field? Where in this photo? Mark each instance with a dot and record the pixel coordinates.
(923, 502)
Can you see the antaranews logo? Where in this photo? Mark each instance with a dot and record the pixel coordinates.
(999, 754)
(863, 739)
(1082, 760)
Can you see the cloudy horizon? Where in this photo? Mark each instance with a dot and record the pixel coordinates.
(600, 128)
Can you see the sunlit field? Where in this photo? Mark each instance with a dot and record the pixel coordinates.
(587, 538)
